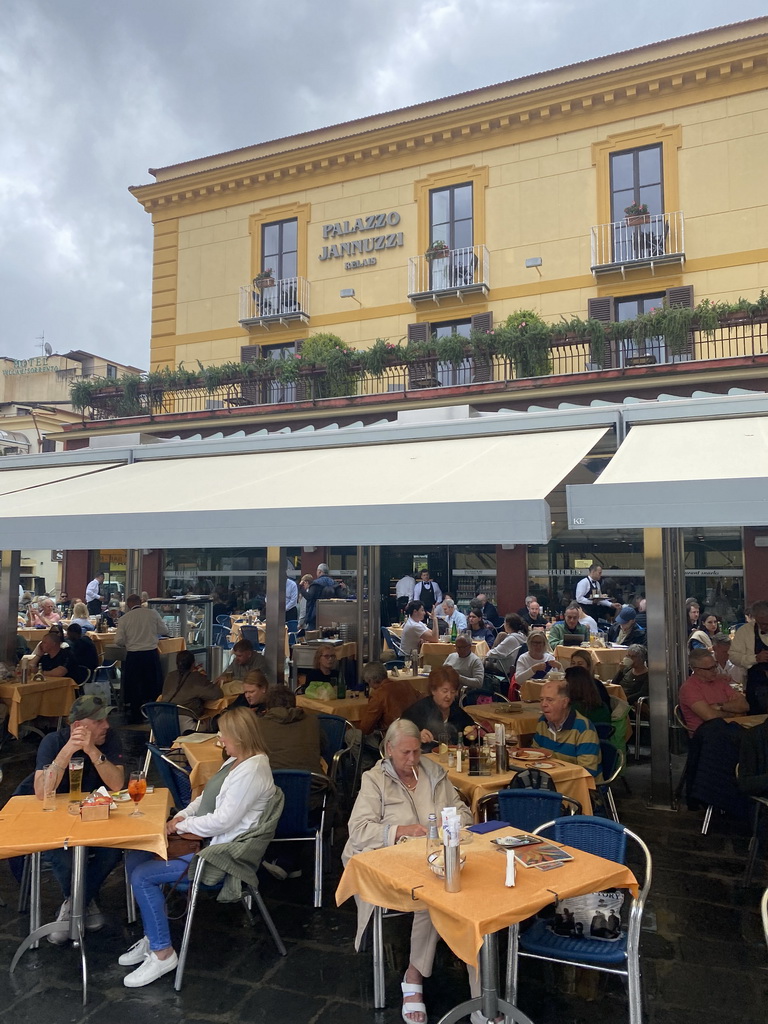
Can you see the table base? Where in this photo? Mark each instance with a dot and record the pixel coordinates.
(489, 1001)
(74, 928)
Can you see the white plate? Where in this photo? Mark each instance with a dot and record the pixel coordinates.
(530, 755)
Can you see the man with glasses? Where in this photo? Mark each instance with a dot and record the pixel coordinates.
(706, 695)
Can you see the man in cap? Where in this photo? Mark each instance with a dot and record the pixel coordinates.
(625, 630)
(89, 737)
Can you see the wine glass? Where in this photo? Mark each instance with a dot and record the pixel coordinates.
(137, 787)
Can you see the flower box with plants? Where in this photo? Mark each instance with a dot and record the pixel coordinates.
(264, 279)
(437, 250)
(636, 213)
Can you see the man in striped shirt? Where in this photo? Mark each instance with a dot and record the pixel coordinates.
(564, 733)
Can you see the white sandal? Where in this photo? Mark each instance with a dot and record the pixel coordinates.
(412, 988)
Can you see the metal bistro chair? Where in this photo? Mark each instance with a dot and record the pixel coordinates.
(224, 620)
(613, 765)
(392, 642)
(639, 721)
(335, 750)
(251, 633)
(760, 803)
(607, 839)
(526, 808)
(173, 776)
(238, 860)
(294, 825)
(163, 718)
(764, 914)
(474, 695)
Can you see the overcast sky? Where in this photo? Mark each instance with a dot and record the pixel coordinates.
(94, 92)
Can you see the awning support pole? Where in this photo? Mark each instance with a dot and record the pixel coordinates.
(665, 594)
(274, 650)
(9, 603)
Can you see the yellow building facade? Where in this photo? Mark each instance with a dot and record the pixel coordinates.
(529, 181)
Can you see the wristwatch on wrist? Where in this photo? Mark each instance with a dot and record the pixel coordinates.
(101, 759)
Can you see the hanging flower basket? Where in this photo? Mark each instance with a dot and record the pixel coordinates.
(636, 213)
(436, 251)
(265, 279)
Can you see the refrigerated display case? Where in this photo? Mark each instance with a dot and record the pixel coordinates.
(191, 618)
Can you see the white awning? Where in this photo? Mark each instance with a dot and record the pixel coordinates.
(471, 490)
(677, 474)
(23, 479)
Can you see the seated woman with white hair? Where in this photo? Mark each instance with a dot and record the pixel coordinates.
(396, 798)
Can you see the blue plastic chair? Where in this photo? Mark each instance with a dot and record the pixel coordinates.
(220, 637)
(394, 663)
(163, 718)
(526, 808)
(392, 642)
(224, 620)
(294, 825)
(249, 893)
(251, 633)
(334, 749)
(173, 776)
(607, 839)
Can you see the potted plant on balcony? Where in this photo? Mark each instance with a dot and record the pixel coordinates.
(264, 279)
(636, 213)
(437, 250)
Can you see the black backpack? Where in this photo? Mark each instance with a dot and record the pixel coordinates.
(532, 778)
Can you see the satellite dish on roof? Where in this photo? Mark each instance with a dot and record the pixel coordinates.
(48, 349)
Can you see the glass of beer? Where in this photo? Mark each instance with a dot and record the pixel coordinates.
(137, 787)
(76, 776)
(50, 778)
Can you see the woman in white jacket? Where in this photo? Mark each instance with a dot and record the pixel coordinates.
(231, 803)
(396, 798)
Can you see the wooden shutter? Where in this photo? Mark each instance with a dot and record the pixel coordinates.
(419, 332)
(604, 309)
(482, 322)
(482, 369)
(682, 297)
(250, 353)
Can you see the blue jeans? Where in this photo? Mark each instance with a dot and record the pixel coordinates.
(147, 874)
(101, 860)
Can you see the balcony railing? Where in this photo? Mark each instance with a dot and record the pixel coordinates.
(458, 272)
(732, 340)
(642, 241)
(285, 300)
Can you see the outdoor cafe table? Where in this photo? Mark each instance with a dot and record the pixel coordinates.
(570, 779)
(531, 689)
(26, 829)
(51, 697)
(419, 682)
(397, 877)
(605, 659)
(32, 635)
(521, 721)
(351, 708)
(204, 757)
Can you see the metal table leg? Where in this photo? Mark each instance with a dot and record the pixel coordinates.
(488, 1001)
(74, 928)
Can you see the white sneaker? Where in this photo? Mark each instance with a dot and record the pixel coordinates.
(137, 954)
(94, 919)
(151, 969)
(59, 938)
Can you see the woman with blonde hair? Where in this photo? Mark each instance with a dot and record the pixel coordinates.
(231, 804)
(80, 616)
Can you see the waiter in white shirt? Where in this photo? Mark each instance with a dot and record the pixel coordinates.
(589, 593)
(404, 591)
(93, 594)
(427, 591)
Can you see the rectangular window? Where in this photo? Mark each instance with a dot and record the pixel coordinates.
(447, 374)
(111, 371)
(279, 245)
(451, 222)
(629, 308)
(276, 391)
(637, 178)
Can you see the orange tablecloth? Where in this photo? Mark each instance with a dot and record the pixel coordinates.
(345, 707)
(390, 876)
(419, 682)
(31, 635)
(531, 689)
(171, 644)
(52, 697)
(521, 723)
(570, 779)
(747, 721)
(204, 759)
(26, 828)
(435, 654)
(606, 659)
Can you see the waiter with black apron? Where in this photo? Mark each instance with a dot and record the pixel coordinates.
(427, 591)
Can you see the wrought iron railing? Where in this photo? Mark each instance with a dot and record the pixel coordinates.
(735, 339)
